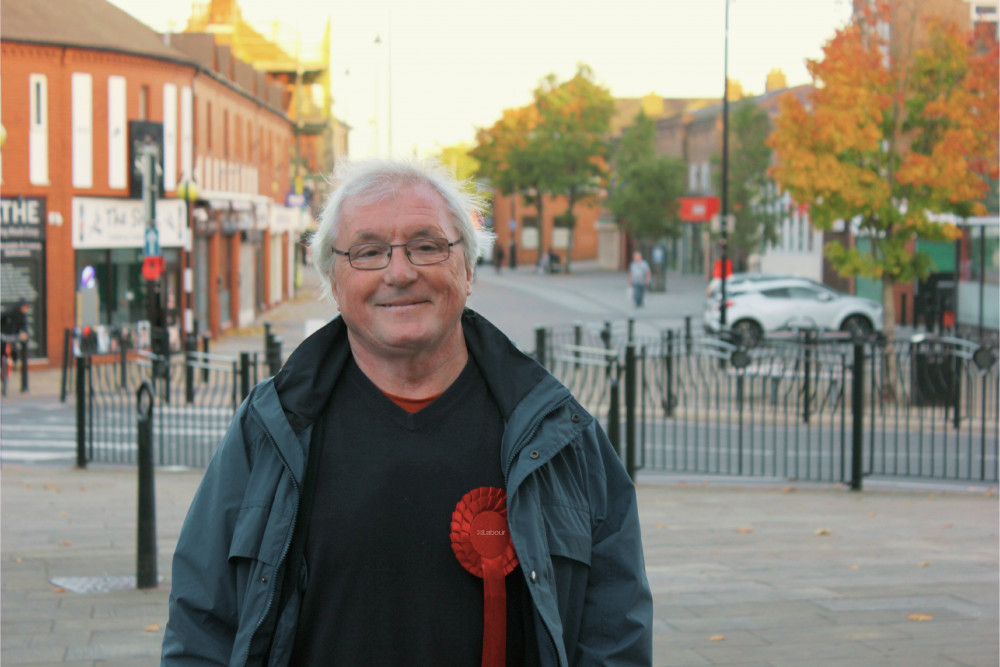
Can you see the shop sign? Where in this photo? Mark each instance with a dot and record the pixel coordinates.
(121, 223)
(22, 218)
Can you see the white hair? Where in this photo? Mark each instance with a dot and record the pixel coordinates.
(379, 179)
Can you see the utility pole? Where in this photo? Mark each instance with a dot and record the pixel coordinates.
(724, 214)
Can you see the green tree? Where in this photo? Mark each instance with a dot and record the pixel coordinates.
(645, 188)
(752, 195)
(571, 142)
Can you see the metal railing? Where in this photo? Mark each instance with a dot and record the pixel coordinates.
(807, 405)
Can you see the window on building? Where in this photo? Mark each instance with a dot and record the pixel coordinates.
(225, 133)
(208, 125)
(38, 132)
(706, 176)
(144, 103)
(693, 178)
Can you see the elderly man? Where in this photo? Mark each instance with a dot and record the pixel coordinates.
(409, 489)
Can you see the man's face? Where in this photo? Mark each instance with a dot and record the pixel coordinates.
(402, 309)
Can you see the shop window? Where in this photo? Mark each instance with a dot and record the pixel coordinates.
(38, 132)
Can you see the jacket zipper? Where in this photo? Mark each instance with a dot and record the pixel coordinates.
(284, 552)
(507, 466)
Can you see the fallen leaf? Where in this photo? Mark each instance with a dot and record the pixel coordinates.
(822, 531)
(854, 567)
(58, 589)
(661, 526)
(920, 617)
(66, 543)
(745, 530)
(924, 563)
(789, 489)
(717, 638)
(155, 627)
(872, 515)
(948, 526)
(64, 513)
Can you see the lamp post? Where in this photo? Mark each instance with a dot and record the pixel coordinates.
(187, 190)
(723, 221)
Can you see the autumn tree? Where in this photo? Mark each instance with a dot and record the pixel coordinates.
(645, 187)
(887, 139)
(555, 146)
(752, 196)
(571, 142)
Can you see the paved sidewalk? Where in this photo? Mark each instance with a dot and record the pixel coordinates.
(743, 574)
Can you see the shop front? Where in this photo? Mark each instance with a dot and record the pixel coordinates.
(22, 269)
(108, 237)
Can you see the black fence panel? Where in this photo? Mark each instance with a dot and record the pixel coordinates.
(784, 409)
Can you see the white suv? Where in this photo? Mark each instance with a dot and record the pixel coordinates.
(760, 303)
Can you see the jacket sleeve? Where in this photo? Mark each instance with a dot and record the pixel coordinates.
(617, 621)
(203, 607)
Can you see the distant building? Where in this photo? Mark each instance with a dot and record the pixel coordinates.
(85, 86)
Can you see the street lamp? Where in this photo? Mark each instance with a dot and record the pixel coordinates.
(187, 190)
(723, 219)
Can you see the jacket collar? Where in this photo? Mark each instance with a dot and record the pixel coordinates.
(306, 380)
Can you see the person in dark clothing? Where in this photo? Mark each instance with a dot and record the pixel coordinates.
(14, 325)
(410, 488)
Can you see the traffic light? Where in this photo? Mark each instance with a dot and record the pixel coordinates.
(88, 341)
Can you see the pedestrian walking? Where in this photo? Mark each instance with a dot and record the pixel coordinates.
(639, 275)
(409, 488)
(498, 257)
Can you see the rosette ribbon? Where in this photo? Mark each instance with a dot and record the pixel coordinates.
(481, 541)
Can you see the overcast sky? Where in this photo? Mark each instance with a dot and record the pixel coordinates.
(445, 67)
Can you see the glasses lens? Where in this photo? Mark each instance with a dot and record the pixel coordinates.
(428, 251)
(369, 255)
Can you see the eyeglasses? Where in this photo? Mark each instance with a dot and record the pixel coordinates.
(420, 252)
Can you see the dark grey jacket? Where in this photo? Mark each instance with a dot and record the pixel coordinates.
(571, 508)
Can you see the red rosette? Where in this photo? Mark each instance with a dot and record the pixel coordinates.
(481, 541)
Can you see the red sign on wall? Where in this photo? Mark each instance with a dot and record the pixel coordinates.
(698, 209)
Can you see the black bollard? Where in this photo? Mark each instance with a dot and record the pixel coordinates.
(146, 576)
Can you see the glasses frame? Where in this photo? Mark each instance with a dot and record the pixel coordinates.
(406, 251)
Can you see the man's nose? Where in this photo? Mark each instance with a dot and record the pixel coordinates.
(400, 267)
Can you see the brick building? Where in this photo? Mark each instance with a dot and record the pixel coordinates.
(85, 86)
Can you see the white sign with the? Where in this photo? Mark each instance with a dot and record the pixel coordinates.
(100, 222)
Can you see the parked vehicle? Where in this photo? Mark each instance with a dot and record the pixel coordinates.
(759, 303)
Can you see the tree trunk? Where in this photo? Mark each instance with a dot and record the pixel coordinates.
(889, 365)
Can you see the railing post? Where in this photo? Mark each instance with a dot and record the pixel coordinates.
(956, 389)
(687, 334)
(81, 411)
(614, 416)
(123, 343)
(630, 409)
(244, 375)
(190, 347)
(540, 345)
(67, 364)
(23, 356)
(857, 414)
(807, 379)
(204, 348)
(577, 341)
(146, 576)
(631, 329)
(669, 366)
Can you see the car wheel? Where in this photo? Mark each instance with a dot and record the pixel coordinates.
(747, 333)
(857, 325)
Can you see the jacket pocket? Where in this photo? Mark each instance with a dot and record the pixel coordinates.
(258, 535)
(568, 532)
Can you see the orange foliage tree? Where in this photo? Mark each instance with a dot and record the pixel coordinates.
(886, 139)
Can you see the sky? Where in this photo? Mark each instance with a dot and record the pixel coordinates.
(442, 68)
